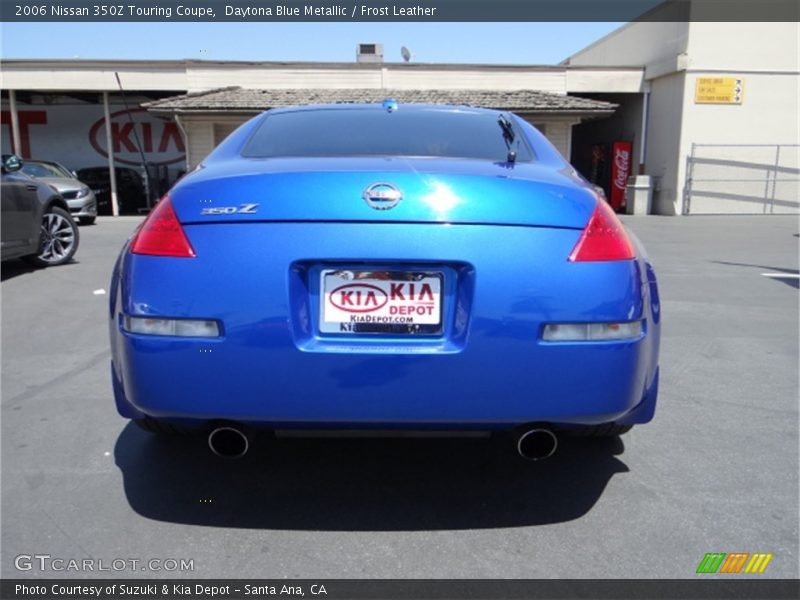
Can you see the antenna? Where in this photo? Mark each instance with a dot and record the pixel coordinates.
(406, 53)
(136, 139)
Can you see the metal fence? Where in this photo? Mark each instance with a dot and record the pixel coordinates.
(742, 179)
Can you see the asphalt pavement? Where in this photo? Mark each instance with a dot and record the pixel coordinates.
(716, 471)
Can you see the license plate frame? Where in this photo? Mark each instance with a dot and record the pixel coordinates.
(415, 294)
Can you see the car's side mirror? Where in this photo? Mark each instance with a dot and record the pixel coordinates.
(11, 162)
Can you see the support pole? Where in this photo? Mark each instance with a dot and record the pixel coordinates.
(643, 141)
(112, 174)
(15, 139)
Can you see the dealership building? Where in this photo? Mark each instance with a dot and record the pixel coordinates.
(706, 114)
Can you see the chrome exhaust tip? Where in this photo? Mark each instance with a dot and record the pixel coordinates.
(537, 444)
(228, 442)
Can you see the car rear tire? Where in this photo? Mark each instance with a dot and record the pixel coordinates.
(59, 239)
(163, 428)
(603, 430)
(87, 220)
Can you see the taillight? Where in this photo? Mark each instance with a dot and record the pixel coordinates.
(161, 234)
(603, 238)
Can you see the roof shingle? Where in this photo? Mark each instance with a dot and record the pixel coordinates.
(236, 99)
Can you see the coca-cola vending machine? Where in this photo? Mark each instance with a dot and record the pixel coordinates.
(620, 171)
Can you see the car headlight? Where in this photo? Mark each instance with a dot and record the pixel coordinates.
(82, 193)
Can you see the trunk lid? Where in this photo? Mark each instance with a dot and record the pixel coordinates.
(433, 191)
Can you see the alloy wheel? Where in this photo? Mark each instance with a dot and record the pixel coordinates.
(58, 238)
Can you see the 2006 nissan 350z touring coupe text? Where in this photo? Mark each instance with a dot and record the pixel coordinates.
(385, 267)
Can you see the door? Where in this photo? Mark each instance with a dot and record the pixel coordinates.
(20, 224)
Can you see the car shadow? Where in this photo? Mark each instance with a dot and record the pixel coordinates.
(14, 268)
(363, 484)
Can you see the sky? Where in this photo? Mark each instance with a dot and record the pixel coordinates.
(483, 43)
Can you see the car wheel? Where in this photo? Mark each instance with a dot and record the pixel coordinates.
(162, 428)
(59, 239)
(601, 431)
(87, 220)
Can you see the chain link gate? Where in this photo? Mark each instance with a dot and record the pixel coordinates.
(742, 179)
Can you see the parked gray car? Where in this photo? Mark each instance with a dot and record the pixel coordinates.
(79, 196)
(36, 223)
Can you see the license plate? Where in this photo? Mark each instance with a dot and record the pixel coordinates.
(399, 302)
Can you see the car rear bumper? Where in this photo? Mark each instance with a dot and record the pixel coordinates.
(488, 369)
(596, 384)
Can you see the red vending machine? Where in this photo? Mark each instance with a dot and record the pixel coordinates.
(620, 171)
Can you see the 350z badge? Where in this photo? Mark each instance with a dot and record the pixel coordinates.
(242, 209)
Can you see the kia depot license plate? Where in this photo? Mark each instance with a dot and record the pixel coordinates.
(396, 302)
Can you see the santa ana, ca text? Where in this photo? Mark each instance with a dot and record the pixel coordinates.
(124, 590)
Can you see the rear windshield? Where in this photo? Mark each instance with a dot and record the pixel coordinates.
(370, 132)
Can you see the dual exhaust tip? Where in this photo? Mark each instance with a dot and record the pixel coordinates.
(231, 442)
(537, 444)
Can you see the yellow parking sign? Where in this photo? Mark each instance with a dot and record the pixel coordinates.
(719, 90)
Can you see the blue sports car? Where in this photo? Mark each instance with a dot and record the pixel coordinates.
(391, 267)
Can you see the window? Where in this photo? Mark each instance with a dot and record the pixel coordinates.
(37, 169)
(371, 131)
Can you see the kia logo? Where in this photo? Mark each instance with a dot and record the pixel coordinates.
(382, 196)
(358, 297)
(135, 129)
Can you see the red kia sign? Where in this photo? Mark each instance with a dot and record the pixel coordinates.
(620, 171)
(159, 138)
(75, 136)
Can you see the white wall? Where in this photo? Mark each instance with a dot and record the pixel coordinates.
(764, 47)
(204, 133)
(768, 115)
(635, 45)
(551, 80)
(596, 81)
(200, 135)
(560, 134)
(663, 142)
(201, 76)
(675, 54)
(52, 76)
(765, 56)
